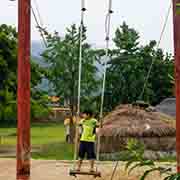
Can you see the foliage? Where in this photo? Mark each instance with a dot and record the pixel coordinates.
(8, 56)
(175, 176)
(8, 106)
(62, 55)
(39, 108)
(126, 72)
(129, 66)
(8, 75)
(136, 150)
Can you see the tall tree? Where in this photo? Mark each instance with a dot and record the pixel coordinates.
(8, 62)
(62, 55)
(129, 66)
(8, 73)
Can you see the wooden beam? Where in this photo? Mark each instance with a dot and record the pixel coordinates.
(23, 114)
(176, 22)
(75, 173)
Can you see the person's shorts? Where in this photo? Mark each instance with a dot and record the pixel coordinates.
(87, 148)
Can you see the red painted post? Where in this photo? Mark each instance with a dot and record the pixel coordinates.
(176, 22)
(23, 130)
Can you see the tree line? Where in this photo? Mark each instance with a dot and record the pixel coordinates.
(128, 65)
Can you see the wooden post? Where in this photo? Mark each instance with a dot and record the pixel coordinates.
(23, 130)
(176, 22)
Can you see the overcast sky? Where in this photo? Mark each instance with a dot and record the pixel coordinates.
(147, 17)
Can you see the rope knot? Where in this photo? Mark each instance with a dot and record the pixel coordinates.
(83, 9)
(107, 38)
(111, 11)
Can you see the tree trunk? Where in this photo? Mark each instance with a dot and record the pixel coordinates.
(72, 131)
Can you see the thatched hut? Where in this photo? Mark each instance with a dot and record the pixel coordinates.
(156, 130)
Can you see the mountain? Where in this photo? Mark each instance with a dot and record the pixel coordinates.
(37, 49)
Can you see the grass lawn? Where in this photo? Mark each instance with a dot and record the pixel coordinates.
(48, 141)
(48, 137)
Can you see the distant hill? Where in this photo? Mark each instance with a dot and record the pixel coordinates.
(37, 49)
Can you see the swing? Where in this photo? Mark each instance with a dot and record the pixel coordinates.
(74, 172)
(93, 173)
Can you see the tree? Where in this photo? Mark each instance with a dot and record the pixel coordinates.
(8, 56)
(159, 83)
(62, 55)
(129, 66)
(8, 62)
(126, 39)
(8, 73)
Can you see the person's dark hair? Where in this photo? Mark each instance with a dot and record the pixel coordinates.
(96, 115)
(88, 112)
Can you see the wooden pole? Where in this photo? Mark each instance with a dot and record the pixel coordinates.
(176, 22)
(23, 130)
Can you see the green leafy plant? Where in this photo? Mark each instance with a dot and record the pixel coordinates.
(172, 79)
(136, 152)
(175, 176)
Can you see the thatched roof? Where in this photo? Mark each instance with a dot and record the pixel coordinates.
(128, 121)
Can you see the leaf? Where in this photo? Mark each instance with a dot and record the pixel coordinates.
(141, 164)
(148, 172)
(129, 164)
(173, 177)
(164, 170)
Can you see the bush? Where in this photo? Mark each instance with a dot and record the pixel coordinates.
(39, 108)
(39, 111)
(10, 112)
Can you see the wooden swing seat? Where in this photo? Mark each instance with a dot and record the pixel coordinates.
(75, 173)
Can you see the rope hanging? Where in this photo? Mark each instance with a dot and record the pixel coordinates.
(107, 31)
(38, 12)
(158, 44)
(39, 26)
(83, 9)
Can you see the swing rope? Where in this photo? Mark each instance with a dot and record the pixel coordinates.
(39, 26)
(83, 9)
(157, 47)
(107, 31)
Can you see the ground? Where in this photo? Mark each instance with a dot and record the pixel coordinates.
(55, 170)
(48, 142)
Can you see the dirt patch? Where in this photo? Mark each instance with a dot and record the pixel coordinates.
(54, 170)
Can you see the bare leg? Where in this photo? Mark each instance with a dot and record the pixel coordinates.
(92, 165)
(79, 164)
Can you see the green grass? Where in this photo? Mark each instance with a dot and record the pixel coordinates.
(49, 140)
(48, 137)
(47, 133)
(58, 151)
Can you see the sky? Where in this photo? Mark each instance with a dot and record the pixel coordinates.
(147, 17)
